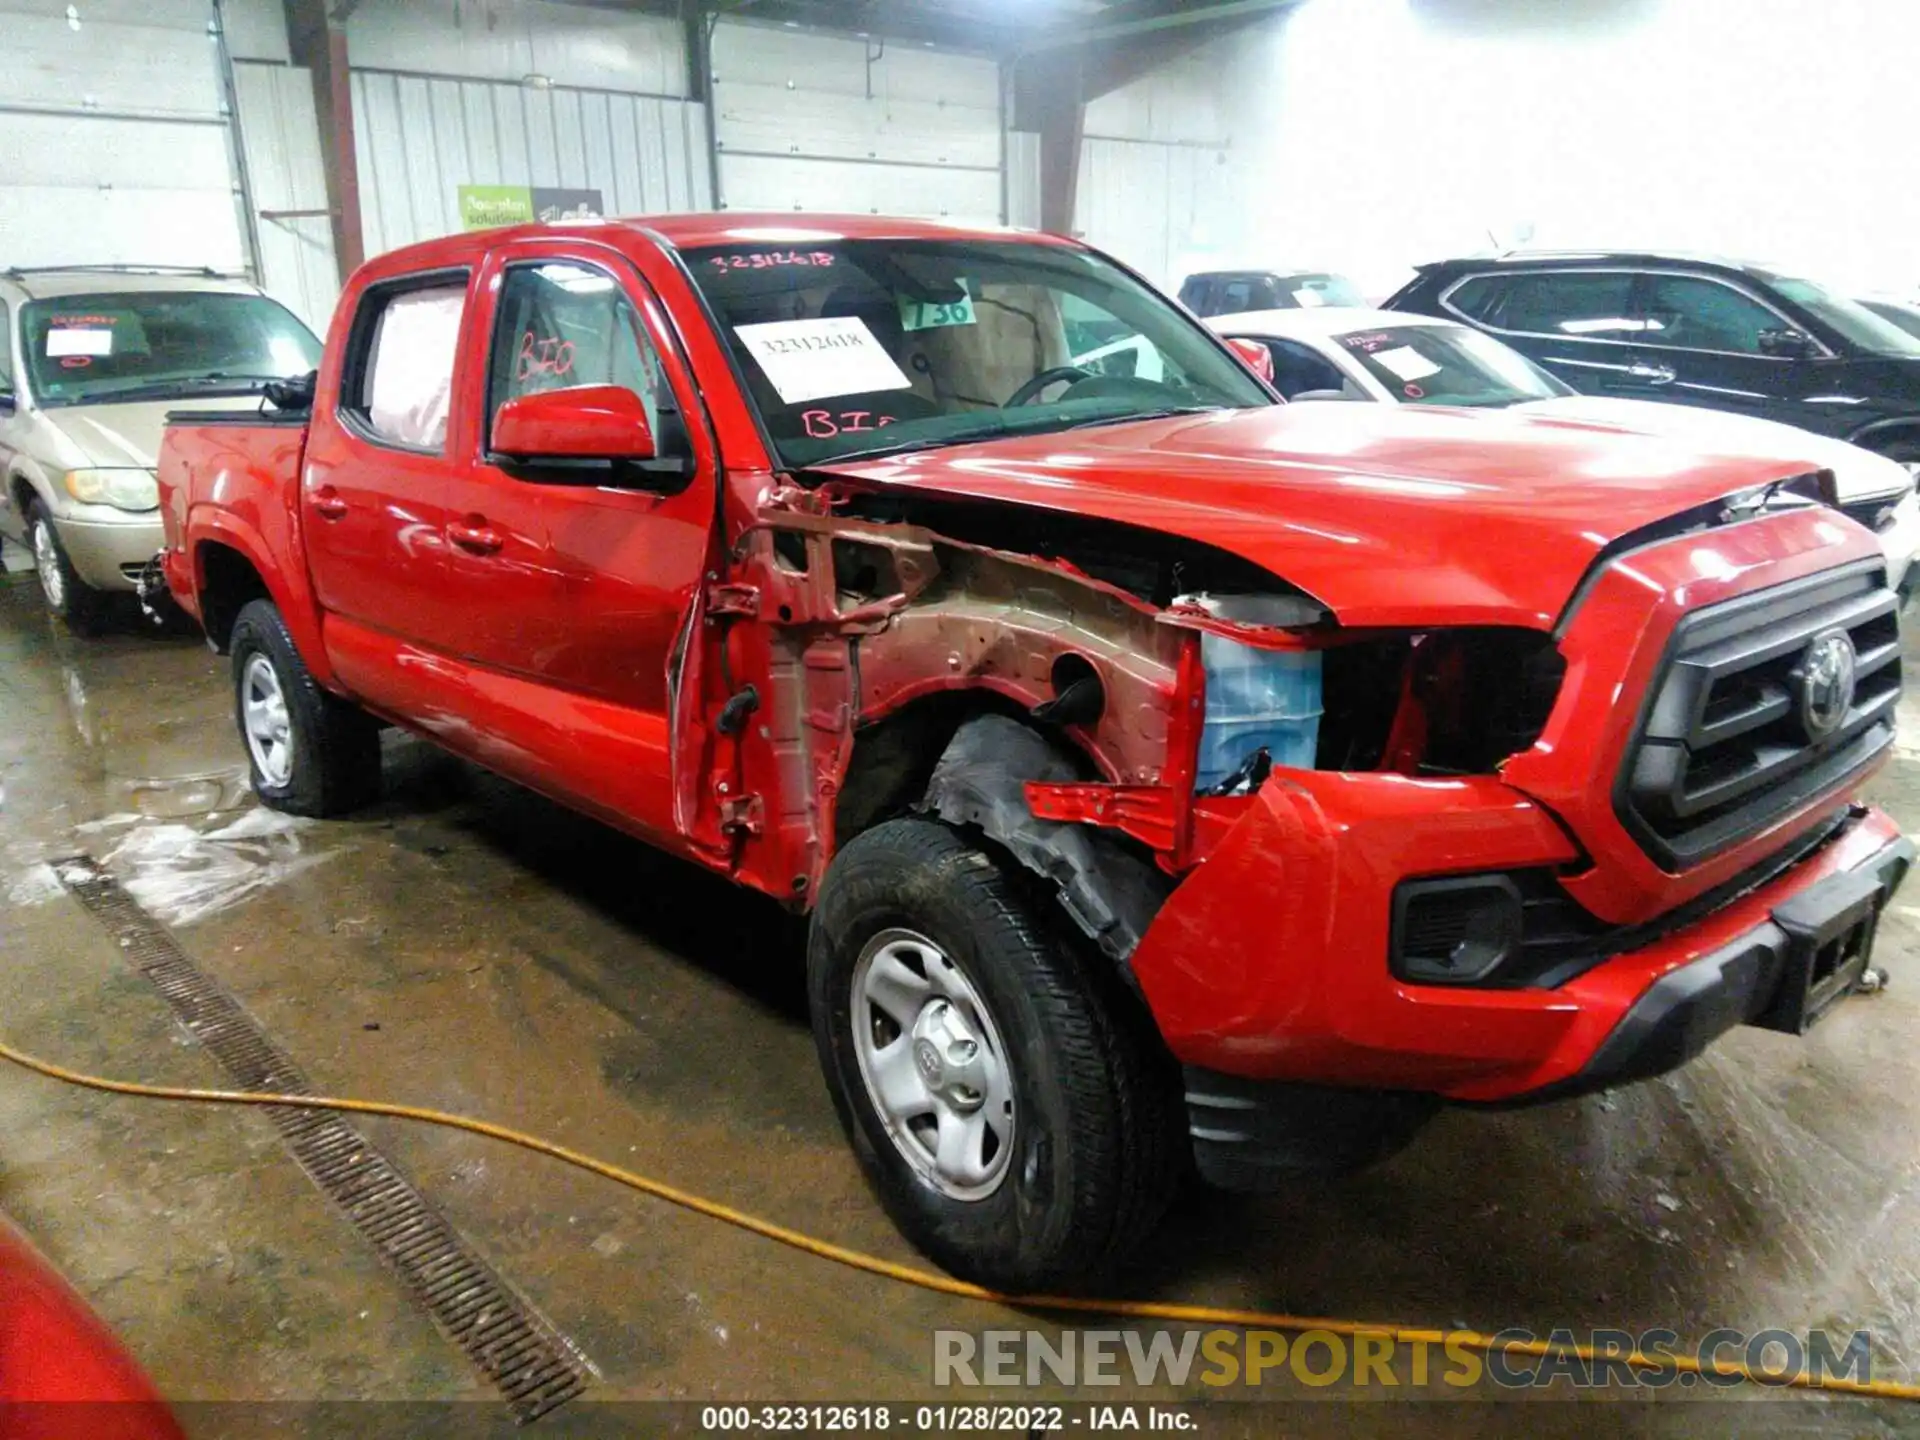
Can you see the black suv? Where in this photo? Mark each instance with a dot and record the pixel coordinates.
(1694, 331)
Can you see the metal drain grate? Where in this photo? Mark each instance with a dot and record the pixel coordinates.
(534, 1366)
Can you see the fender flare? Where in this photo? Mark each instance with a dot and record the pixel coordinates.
(221, 527)
(980, 781)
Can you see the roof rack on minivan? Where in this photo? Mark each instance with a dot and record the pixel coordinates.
(20, 271)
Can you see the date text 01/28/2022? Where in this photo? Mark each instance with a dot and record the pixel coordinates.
(944, 1419)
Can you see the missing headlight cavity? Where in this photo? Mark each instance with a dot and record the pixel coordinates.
(1449, 702)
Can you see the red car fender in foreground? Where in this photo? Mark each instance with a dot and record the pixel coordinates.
(63, 1375)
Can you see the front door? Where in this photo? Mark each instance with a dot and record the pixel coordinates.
(576, 591)
(1703, 341)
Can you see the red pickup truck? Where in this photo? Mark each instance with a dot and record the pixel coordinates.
(1175, 778)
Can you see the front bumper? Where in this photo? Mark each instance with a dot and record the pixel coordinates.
(1269, 962)
(110, 554)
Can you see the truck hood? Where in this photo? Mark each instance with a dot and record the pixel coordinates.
(1387, 514)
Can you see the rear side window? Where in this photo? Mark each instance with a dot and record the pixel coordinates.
(562, 324)
(1579, 304)
(402, 390)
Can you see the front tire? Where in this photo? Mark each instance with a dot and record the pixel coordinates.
(309, 752)
(81, 607)
(997, 1084)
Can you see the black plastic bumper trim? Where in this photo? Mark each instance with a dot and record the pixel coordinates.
(1687, 1009)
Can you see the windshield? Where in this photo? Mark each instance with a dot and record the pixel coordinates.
(1311, 291)
(160, 345)
(1905, 317)
(1448, 365)
(860, 347)
(1859, 326)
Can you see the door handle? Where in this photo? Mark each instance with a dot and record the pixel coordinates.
(1652, 374)
(327, 502)
(475, 536)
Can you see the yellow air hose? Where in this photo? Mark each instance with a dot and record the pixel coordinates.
(946, 1284)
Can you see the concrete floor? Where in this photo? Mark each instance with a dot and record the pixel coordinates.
(470, 947)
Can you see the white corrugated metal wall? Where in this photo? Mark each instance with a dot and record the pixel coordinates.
(421, 137)
(452, 92)
(114, 142)
(289, 188)
(1162, 186)
(810, 121)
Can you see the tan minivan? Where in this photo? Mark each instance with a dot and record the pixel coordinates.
(91, 361)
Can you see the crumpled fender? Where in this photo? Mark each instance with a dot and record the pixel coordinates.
(981, 781)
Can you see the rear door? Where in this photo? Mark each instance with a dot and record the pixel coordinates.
(1579, 322)
(575, 591)
(374, 482)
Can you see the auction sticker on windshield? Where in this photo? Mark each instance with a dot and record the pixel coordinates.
(90, 342)
(1406, 362)
(814, 359)
(923, 315)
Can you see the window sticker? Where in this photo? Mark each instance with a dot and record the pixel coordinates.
(1309, 299)
(815, 359)
(90, 341)
(918, 315)
(1406, 362)
(772, 259)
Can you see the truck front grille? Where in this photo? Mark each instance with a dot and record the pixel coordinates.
(1754, 714)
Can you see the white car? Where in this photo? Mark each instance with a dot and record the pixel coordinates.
(1395, 357)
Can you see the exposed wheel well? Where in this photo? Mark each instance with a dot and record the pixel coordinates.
(965, 756)
(228, 582)
(22, 494)
(893, 759)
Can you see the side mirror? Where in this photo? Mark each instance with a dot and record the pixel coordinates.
(1255, 356)
(7, 403)
(585, 422)
(1786, 344)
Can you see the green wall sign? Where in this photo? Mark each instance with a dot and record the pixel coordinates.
(483, 207)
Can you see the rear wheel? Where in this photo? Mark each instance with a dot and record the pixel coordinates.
(310, 753)
(996, 1083)
(68, 596)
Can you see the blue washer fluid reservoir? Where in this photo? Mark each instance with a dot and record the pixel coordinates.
(1257, 698)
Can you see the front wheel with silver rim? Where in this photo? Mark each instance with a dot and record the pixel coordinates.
(67, 595)
(1000, 1087)
(309, 752)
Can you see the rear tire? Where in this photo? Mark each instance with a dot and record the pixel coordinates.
(921, 941)
(309, 752)
(81, 607)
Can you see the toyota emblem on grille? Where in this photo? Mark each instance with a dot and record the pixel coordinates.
(1826, 683)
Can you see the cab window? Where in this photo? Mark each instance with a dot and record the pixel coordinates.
(401, 360)
(562, 324)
